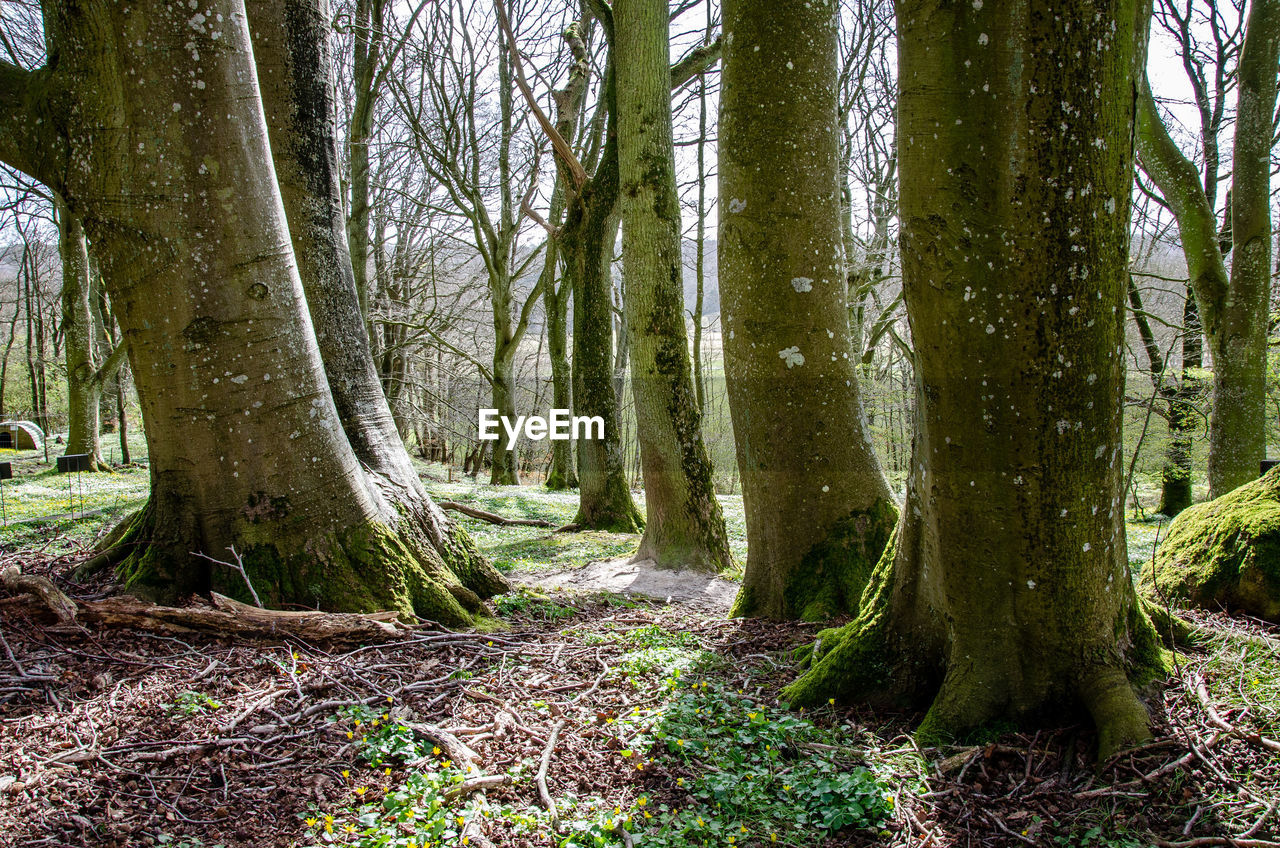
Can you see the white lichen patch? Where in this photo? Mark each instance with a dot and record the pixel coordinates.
(792, 356)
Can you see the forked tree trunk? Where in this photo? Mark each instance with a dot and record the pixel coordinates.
(1233, 308)
(684, 526)
(295, 65)
(1007, 596)
(818, 508)
(246, 442)
(586, 239)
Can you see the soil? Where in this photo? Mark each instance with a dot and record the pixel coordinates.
(643, 578)
(97, 749)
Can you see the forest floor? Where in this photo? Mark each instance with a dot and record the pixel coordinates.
(577, 718)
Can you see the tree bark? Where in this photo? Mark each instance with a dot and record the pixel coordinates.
(246, 443)
(86, 374)
(684, 526)
(586, 240)
(295, 67)
(818, 509)
(1007, 595)
(555, 302)
(368, 49)
(1233, 309)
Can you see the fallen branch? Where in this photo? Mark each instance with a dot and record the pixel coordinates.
(493, 517)
(543, 793)
(451, 745)
(224, 617)
(58, 603)
(475, 784)
(1202, 695)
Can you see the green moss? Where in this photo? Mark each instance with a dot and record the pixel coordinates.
(366, 568)
(854, 661)
(1224, 553)
(832, 575)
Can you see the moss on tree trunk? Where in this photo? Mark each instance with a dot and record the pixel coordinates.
(684, 527)
(816, 500)
(587, 240)
(247, 446)
(1007, 595)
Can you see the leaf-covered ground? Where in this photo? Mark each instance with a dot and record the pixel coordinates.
(636, 722)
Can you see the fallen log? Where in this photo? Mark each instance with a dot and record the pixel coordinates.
(493, 517)
(223, 616)
(57, 602)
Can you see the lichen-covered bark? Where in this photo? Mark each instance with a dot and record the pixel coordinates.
(587, 240)
(246, 445)
(1007, 596)
(684, 527)
(1234, 308)
(803, 452)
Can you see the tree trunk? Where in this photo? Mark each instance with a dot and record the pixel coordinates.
(246, 442)
(368, 49)
(505, 471)
(1233, 309)
(1240, 347)
(1184, 418)
(604, 501)
(818, 509)
(684, 526)
(1008, 596)
(292, 54)
(84, 388)
(555, 300)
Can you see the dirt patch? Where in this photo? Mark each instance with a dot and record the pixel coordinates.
(624, 577)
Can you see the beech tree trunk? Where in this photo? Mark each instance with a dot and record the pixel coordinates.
(295, 64)
(1007, 594)
(586, 241)
(684, 526)
(818, 508)
(1232, 308)
(86, 374)
(246, 441)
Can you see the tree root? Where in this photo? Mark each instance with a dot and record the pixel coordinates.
(1121, 719)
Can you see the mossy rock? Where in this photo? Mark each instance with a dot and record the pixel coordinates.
(1224, 553)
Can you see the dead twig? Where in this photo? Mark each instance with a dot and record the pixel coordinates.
(237, 566)
(543, 793)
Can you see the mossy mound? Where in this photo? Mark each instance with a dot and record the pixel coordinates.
(1224, 553)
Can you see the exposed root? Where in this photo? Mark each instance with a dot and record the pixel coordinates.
(1121, 719)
